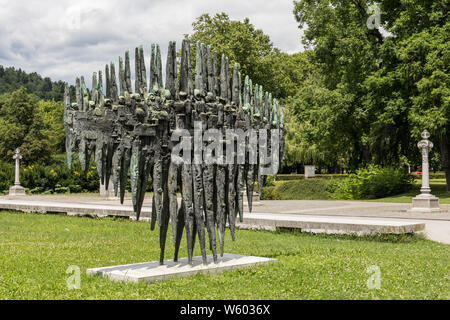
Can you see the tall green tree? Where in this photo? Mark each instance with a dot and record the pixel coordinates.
(410, 91)
(52, 113)
(12, 79)
(34, 126)
(16, 117)
(345, 52)
(239, 40)
(253, 50)
(391, 85)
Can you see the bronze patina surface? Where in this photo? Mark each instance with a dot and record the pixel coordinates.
(131, 135)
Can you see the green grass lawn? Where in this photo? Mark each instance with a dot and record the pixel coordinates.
(37, 249)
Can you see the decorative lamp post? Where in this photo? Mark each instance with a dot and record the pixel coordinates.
(425, 201)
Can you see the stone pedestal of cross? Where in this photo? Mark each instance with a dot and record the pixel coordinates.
(425, 201)
(17, 189)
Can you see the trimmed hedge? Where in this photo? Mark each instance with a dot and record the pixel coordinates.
(437, 175)
(370, 183)
(287, 177)
(301, 189)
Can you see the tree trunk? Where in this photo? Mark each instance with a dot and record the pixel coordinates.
(445, 158)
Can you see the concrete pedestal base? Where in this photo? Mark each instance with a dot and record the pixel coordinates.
(110, 192)
(425, 203)
(153, 271)
(17, 190)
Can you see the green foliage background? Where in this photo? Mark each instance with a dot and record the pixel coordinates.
(355, 97)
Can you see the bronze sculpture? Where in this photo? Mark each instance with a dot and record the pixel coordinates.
(136, 133)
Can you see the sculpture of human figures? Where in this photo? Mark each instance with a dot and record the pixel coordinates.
(425, 201)
(17, 189)
(137, 133)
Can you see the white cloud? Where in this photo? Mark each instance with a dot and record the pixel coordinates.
(63, 39)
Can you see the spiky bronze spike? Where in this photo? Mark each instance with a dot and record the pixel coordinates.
(153, 72)
(159, 67)
(156, 82)
(231, 196)
(107, 82)
(187, 195)
(210, 72)
(78, 94)
(68, 125)
(165, 216)
(85, 95)
(158, 185)
(137, 70)
(240, 168)
(224, 79)
(204, 68)
(282, 138)
(197, 170)
(240, 92)
(171, 70)
(199, 69)
(247, 93)
(216, 76)
(134, 172)
(114, 96)
(100, 82)
(172, 180)
(266, 108)
(127, 73)
(227, 77)
(143, 73)
(122, 81)
(185, 68)
(235, 85)
(251, 172)
(275, 114)
(100, 95)
(94, 92)
(179, 228)
(124, 168)
(221, 204)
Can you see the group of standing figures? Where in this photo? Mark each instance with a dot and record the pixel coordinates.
(134, 134)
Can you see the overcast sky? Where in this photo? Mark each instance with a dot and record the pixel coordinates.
(65, 39)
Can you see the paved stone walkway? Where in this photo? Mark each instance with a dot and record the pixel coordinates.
(437, 225)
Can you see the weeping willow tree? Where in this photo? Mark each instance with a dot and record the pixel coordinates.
(320, 127)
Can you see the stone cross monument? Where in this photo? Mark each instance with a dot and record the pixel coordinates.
(425, 201)
(17, 189)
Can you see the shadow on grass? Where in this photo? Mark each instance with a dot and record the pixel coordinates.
(393, 238)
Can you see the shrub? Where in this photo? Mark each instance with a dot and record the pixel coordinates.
(270, 182)
(58, 178)
(55, 178)
(6, 176)
(270, 193)
(373, 182)
(303, 189)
